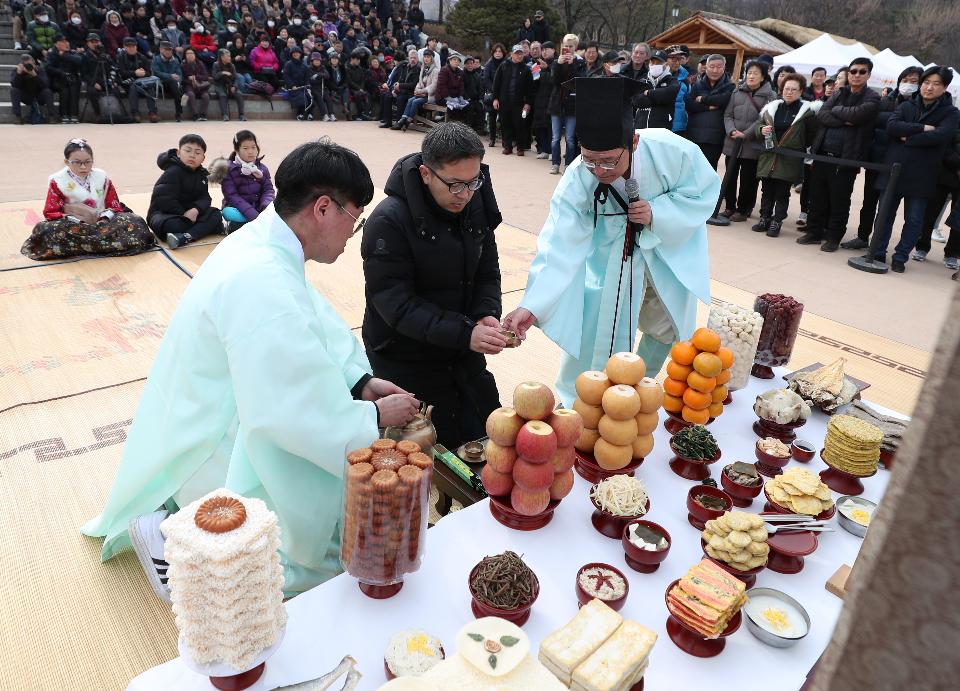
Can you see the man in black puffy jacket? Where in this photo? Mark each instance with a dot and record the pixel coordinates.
(705, 103)
(656, 104)
(180, 206)
(433, 281)
(400, 86)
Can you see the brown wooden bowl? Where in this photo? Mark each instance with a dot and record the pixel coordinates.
(698, 515)
(583, 597)
(640, 559)
(742, 495)
(767, 464)
(517, 615)
(610, 524)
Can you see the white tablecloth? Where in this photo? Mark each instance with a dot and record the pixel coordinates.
(336, 619)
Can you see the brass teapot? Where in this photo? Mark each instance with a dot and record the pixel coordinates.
(420, 429)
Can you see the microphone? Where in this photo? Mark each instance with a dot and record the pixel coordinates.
(632, 188)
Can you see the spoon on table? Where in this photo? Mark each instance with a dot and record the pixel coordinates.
(817, 527)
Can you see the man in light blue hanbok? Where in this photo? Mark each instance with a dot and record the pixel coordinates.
(259, 386)
(609, 262)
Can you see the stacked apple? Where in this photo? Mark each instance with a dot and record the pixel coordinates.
(530, 450)
(697, 374)
(619, 410)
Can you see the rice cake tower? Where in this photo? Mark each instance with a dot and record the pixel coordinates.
(225, 578)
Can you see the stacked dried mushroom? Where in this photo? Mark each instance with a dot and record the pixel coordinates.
(385, 511)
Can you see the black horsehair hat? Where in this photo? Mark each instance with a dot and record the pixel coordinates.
(604, 111)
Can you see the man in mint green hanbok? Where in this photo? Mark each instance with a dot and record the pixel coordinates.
(259, 386)
(611, 260)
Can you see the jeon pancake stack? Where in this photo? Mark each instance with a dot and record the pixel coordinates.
(706, 599)
(853, 445)
(800, 491)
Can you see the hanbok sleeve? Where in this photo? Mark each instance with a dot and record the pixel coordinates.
(53, 206)
(111, 202)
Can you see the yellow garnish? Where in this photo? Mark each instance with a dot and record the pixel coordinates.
(776, 617)
(418, 643)
(860, 516)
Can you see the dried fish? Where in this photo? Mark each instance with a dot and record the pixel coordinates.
(347, 665)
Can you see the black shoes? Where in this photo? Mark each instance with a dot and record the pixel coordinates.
(384, 125)
(829, 247)
(855, 244)
(897, 267)
(774, 230)
(761, 226)
(809, 239)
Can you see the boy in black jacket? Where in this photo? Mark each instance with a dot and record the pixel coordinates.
(180, 205)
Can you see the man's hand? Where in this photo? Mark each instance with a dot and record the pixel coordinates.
(640, 212)
(526, 108)
(81, 211)
(496, 104)
(766, 129)
(519, 321)
(191, 214)
(397, 409)
(175, 77)
(140, 72)
(736, 134)
(486, 337)
(20, 69)
(376, 389)
(929, 128)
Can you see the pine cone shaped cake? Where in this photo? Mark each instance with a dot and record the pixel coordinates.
(225, 578)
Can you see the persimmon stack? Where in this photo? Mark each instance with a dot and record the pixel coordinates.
(697, 376)
(619, 410)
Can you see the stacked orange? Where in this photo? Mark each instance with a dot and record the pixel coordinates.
(697, 374)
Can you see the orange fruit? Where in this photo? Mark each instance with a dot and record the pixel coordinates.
(707, 364)
(723, 377)
(674, 387)
(677, 371)
(719, 394)
(696, 400)
(701, 383)
(672, 404)
(726, 357)
(697, 417)
(683, 353)
(706, 340)
(715, 409)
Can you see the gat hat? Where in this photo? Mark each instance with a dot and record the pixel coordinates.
(604, 111)
(93, 37)
(316, 56)
(659, 55)
(611, 56)
(517, 48)
(129, 41)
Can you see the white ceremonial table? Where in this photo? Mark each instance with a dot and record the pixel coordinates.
(336, 619)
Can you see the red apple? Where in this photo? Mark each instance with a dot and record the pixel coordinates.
(500, 458)
(562, 484)
(567, 425)
(496, 484)
(536, 442)
(532, 476)
(533, 401)
(503, 425)
(563, 459)
(529, 503)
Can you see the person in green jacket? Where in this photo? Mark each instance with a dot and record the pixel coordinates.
(787, 123)
(40, 33)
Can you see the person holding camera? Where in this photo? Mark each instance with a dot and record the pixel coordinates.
(30, 86)
(98, 72)
(134, 69)
(64, 67)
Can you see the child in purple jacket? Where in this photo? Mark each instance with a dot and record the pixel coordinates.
(245, 181)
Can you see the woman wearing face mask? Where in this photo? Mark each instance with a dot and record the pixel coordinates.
(611, 65)
(75, 30)
(742, 147)
(113, 33)
(202, 42)
(907, 85)
(172, 34)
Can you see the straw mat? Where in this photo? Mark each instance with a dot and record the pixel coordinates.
(68, 328)
(70, 622)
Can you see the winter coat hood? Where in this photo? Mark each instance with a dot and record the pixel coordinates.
(169, 159)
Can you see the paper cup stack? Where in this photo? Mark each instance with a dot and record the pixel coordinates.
(852, 445)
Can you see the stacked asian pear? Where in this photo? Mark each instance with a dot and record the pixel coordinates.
(619, 410)
(697, 374)
(385, 508)
(529, 451)
(225, 578)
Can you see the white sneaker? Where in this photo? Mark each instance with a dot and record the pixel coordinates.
(543, 155)
(919, 256)
(937, 236)
(184, 100)
(333, 118)
(17, 46)
(952, 263)
(554, 170)
(147, 542)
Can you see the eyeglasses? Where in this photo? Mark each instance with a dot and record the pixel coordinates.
(459, 187)
(605, 165)
(861, 72)
(360, 221)
(81, 164)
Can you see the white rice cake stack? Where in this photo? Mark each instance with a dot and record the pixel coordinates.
(564, 649)
(619, 663)
(226, 588)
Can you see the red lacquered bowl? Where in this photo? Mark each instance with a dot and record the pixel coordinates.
(583, 597)
(591, 471)
(742, 495)
(674, 422)
(693, 642)
(841, 481)
(802, 451)
(610, 525)
(767, 464)
(785, 433)
(239, 682)
(787, 550)
(772, 506)
(749, 578)
(887, 458)
(691, 468)
(505, 514)
(518, 615)
(640, 559)
(698, 515)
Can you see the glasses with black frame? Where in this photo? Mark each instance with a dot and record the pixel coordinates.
(458, 187)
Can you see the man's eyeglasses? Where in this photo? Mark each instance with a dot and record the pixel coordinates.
(603, 165)
(360, 221)
(861, 72)
(458, 187)
(80, 164)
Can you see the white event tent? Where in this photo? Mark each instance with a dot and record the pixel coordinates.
(823, 51)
